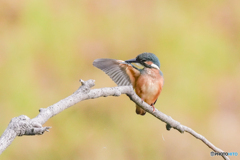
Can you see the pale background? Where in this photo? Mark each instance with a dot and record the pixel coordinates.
(47, 46)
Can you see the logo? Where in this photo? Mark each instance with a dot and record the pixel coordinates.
(223, 154)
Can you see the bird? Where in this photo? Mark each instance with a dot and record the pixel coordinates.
(147, 81)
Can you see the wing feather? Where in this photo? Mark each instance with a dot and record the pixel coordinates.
(114, 70)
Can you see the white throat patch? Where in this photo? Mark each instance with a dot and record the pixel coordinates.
(155, 66)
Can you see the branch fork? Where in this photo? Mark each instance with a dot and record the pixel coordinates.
(23, 125)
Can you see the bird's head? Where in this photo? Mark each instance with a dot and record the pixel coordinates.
(148, 60)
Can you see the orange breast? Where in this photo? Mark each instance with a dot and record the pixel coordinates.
(149, 85)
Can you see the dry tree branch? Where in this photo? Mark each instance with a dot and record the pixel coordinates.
(23, 125)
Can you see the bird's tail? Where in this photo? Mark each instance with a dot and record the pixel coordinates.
(140, 111)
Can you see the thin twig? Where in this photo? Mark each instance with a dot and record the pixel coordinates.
(23, 125)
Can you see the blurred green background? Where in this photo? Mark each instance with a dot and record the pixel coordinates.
(47, 46)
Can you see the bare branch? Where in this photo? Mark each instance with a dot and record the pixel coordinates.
(23, 125)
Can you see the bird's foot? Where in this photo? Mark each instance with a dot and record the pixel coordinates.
(153, 107)
(121, 61)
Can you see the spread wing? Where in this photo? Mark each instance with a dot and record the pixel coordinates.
(117, 70)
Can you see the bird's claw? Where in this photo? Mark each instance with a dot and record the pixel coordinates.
(153, 107)
(122, 63)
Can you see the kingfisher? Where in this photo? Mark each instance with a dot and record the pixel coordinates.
(147, 81)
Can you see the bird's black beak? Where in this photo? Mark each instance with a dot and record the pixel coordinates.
(131, 60)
